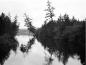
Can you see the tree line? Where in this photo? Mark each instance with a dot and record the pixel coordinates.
(64, 37)
(8, 31)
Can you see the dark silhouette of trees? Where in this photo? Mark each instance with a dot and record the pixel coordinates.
(26, 48)
(49, 10)
(64, 37)
(32, 30)
(8, 31)
(28, 23)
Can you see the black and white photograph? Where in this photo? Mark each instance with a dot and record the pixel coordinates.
(42, 32)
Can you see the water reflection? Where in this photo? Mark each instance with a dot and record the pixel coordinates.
(34, 57)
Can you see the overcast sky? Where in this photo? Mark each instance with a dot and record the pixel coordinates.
(35, 9)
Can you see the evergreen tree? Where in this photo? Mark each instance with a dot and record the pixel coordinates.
(28, 23)
(32, 30)
(8, 31)
(49, 10)
(65, 37)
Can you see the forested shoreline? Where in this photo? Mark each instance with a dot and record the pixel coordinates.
(63, 38)
(8, 31)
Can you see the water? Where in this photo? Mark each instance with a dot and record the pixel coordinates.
(34, 57)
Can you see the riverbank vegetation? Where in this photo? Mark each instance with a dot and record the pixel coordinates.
(8, 31)
(64, 37)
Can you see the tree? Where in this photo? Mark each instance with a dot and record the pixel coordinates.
(28, 23)
(8, 31)
(65, 38)
(32, 30)
(49, 10)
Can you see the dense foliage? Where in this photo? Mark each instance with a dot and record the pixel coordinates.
(8, 31)
(64, 37)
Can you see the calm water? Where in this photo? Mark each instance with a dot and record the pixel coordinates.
(34, 57)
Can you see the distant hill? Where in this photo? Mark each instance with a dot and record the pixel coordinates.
(23, 32)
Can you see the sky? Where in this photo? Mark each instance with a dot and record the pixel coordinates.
(35, 9)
